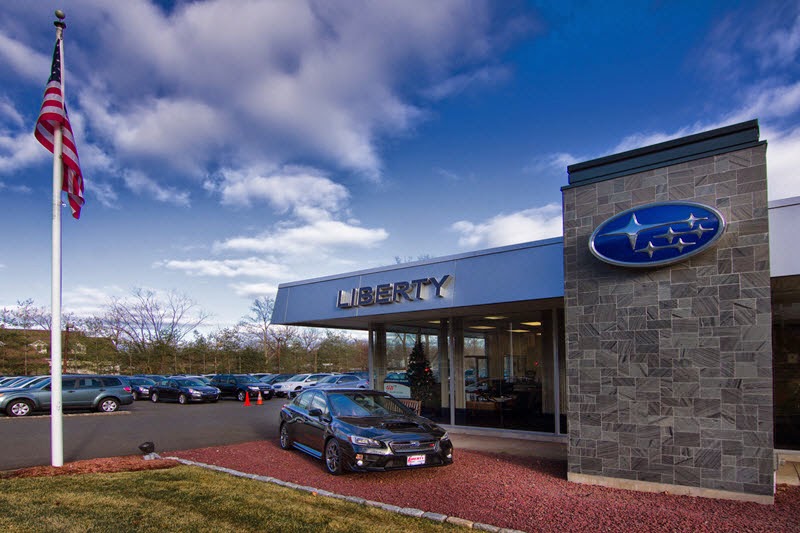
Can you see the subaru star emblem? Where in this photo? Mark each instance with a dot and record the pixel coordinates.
(657, 234)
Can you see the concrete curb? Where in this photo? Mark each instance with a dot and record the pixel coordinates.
(409, 511)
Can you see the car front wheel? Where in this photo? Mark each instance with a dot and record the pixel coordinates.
(19, 408)
(333, 457)
(108, 405)
(241, 395)
(154, 397)
(182, 399)
(286, 441)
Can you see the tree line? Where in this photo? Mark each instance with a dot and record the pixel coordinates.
(151, 333)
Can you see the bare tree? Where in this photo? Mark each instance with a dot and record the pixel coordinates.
(148, 324)
(279, 339)
(309, 340)
(258, 322)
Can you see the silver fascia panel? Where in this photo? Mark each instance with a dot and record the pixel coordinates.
(784, 244)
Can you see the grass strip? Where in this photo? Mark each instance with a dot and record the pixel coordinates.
(183, 499)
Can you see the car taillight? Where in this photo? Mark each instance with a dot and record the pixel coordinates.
(127, 389)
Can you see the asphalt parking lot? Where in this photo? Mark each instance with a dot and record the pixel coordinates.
(170, 426)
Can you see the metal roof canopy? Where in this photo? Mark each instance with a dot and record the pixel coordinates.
(516, 278)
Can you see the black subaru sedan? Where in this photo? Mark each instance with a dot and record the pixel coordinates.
(184, 390)
(362, 430)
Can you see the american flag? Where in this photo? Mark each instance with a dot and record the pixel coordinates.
(54, 115)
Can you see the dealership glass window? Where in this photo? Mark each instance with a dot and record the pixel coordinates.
(508, 376)
(786, 360)
(503, 365)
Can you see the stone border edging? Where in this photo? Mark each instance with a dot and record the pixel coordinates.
(409, 511)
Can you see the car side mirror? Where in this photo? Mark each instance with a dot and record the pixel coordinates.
(315, 412)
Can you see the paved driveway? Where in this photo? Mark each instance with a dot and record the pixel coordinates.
(169, 425)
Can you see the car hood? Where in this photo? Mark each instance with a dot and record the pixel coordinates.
(387, 427)
(203, 389)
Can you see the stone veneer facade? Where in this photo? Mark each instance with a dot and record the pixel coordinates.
(669, 370)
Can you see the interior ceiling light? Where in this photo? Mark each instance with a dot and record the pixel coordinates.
(519, 331)
(495, 317)
(537, 323)
(434, 322)
(481, 327)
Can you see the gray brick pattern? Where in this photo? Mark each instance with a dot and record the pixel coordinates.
(669, 370)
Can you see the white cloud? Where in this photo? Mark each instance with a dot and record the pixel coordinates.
(86, 301)
(290, 79)
(139, 183)
(10, 112)
(229, 268)
(23, 60)
(302, 191)
(503, 229)
(315, 237)
(461, 82)
(550, 164)
(20, 150)
(254, 290)
(783, 164)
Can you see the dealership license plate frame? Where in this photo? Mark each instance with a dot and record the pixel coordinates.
(415, 460)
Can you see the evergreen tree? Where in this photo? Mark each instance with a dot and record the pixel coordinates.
(420, 375)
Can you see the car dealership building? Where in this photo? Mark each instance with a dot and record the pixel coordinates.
(659, 337)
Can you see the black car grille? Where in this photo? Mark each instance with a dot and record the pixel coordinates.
(413, 446)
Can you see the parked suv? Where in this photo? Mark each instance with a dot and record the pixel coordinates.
(240, 385)
(103, 393)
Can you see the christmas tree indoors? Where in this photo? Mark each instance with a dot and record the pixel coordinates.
(420, 375)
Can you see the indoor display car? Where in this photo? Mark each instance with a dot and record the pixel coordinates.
(239, 386)
(297, 383)
(183, 390)
(103, 393)
(341, 381)
(361, 430)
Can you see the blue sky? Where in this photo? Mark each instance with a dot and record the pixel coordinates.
(229, 146)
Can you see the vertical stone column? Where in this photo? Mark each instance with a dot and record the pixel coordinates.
(669, 369)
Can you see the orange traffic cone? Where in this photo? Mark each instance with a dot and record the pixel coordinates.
(260, 401)
(246, 399)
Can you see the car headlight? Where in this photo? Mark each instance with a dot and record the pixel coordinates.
(364, 441)
(252, 388)
(195, 392)
(445, 436)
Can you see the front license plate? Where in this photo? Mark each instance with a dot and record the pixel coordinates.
(414, 460)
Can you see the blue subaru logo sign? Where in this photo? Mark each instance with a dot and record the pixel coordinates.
(657, 234)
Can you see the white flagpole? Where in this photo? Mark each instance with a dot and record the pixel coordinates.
(56, 419)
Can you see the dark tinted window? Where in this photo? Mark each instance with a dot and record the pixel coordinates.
(303, 400)
(112, 382)
(89, 383)
(348, 379)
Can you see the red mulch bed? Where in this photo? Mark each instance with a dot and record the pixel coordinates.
(93, 466)
(503, 490)
(514, 492)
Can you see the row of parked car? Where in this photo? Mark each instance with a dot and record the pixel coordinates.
(23, 395)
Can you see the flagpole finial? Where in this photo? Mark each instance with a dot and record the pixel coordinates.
(60, 22)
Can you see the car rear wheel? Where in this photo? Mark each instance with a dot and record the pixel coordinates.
(286, 441)
(182, 399)
(333, 457)
(154, 397)
(108, 405)
(135, 395)
(240, 395)
(19, 408)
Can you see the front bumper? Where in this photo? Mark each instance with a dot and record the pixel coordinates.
(360, 459)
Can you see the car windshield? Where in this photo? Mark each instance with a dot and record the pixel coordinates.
(358, 404)
(328, 379)
(190, 383)
(298, 377)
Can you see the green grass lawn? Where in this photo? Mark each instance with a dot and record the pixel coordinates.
(183, 499)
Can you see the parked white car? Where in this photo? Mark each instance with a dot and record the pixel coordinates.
(296, 384)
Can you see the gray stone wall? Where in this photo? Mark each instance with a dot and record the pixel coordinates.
(669, 370)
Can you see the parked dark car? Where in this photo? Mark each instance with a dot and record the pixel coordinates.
(362, 430)
(183, 391)
(140, 387)
(103, 393)
(275, 378)
(240, 385)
